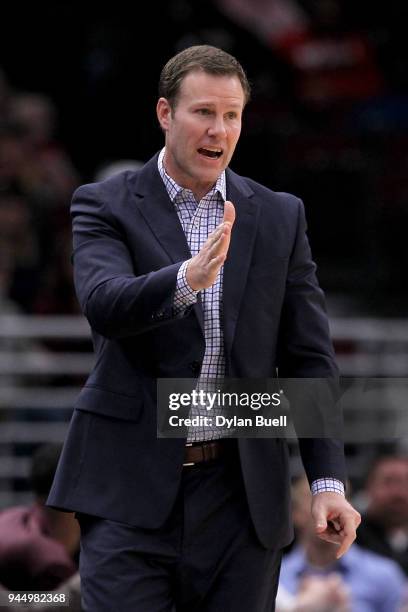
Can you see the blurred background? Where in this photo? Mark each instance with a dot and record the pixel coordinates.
(328, 121)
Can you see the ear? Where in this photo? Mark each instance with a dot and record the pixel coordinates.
(163, 110)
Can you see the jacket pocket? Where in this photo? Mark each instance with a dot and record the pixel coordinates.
(99, 400)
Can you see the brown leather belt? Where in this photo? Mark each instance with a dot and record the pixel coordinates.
(202, 452)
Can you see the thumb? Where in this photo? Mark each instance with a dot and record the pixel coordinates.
(320, 523)
(229, 212)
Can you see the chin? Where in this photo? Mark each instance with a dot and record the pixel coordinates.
(209, 179)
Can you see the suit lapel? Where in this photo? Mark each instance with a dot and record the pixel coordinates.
(239, 256)
(159, 212)
(161, 216)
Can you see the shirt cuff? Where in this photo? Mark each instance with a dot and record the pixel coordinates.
(184, 295)
(327, 485)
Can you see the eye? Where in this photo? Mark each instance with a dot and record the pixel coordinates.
(203, 111)
(232, 115)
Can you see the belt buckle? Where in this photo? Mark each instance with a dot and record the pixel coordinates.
(188, 464)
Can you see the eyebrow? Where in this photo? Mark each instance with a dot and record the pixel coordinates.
(207, 103)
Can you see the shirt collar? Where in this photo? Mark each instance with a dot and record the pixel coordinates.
(173, 189)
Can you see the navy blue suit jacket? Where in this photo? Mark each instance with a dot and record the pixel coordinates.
(128, 247)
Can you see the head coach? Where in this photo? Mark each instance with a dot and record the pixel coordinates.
(185, 269)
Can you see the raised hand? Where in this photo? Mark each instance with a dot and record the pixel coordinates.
(203, 268)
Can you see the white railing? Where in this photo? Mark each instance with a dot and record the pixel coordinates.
(35, 407)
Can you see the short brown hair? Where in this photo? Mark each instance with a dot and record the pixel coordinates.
(203, 58)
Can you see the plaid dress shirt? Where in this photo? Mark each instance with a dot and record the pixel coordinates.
(198, 220)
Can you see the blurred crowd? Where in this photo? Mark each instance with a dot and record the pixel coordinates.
(328, 121)
(39, 547)
(331, 114)
(37, 179)
(373, 575)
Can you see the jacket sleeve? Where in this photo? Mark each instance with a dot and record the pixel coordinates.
(306, 351)
(116, 302)
(305, 347)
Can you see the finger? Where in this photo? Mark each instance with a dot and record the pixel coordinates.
(348, 539)
(335, 525)
(215, 264)
(344, 546)
(333, 538)
(224, 227)
(212, 247)
(219, 247)
(216, 235)
(227, 225)
(320, 523)
(229, 212)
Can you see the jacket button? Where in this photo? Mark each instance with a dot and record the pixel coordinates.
(156, 316)
(195, 367)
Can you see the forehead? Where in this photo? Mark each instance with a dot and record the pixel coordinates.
(199, 86)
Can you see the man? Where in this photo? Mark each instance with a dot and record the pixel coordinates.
(385, 528)
(185, 269)
(360, 581)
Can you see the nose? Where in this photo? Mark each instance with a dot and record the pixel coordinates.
(217, 127)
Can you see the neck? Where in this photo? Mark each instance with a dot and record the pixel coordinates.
(198, 190)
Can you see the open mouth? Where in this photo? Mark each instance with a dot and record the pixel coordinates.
(211, 153)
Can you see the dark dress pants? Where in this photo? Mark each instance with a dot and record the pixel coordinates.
(205, 558)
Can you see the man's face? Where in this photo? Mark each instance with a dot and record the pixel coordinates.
(388, 492)
(202, 130)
